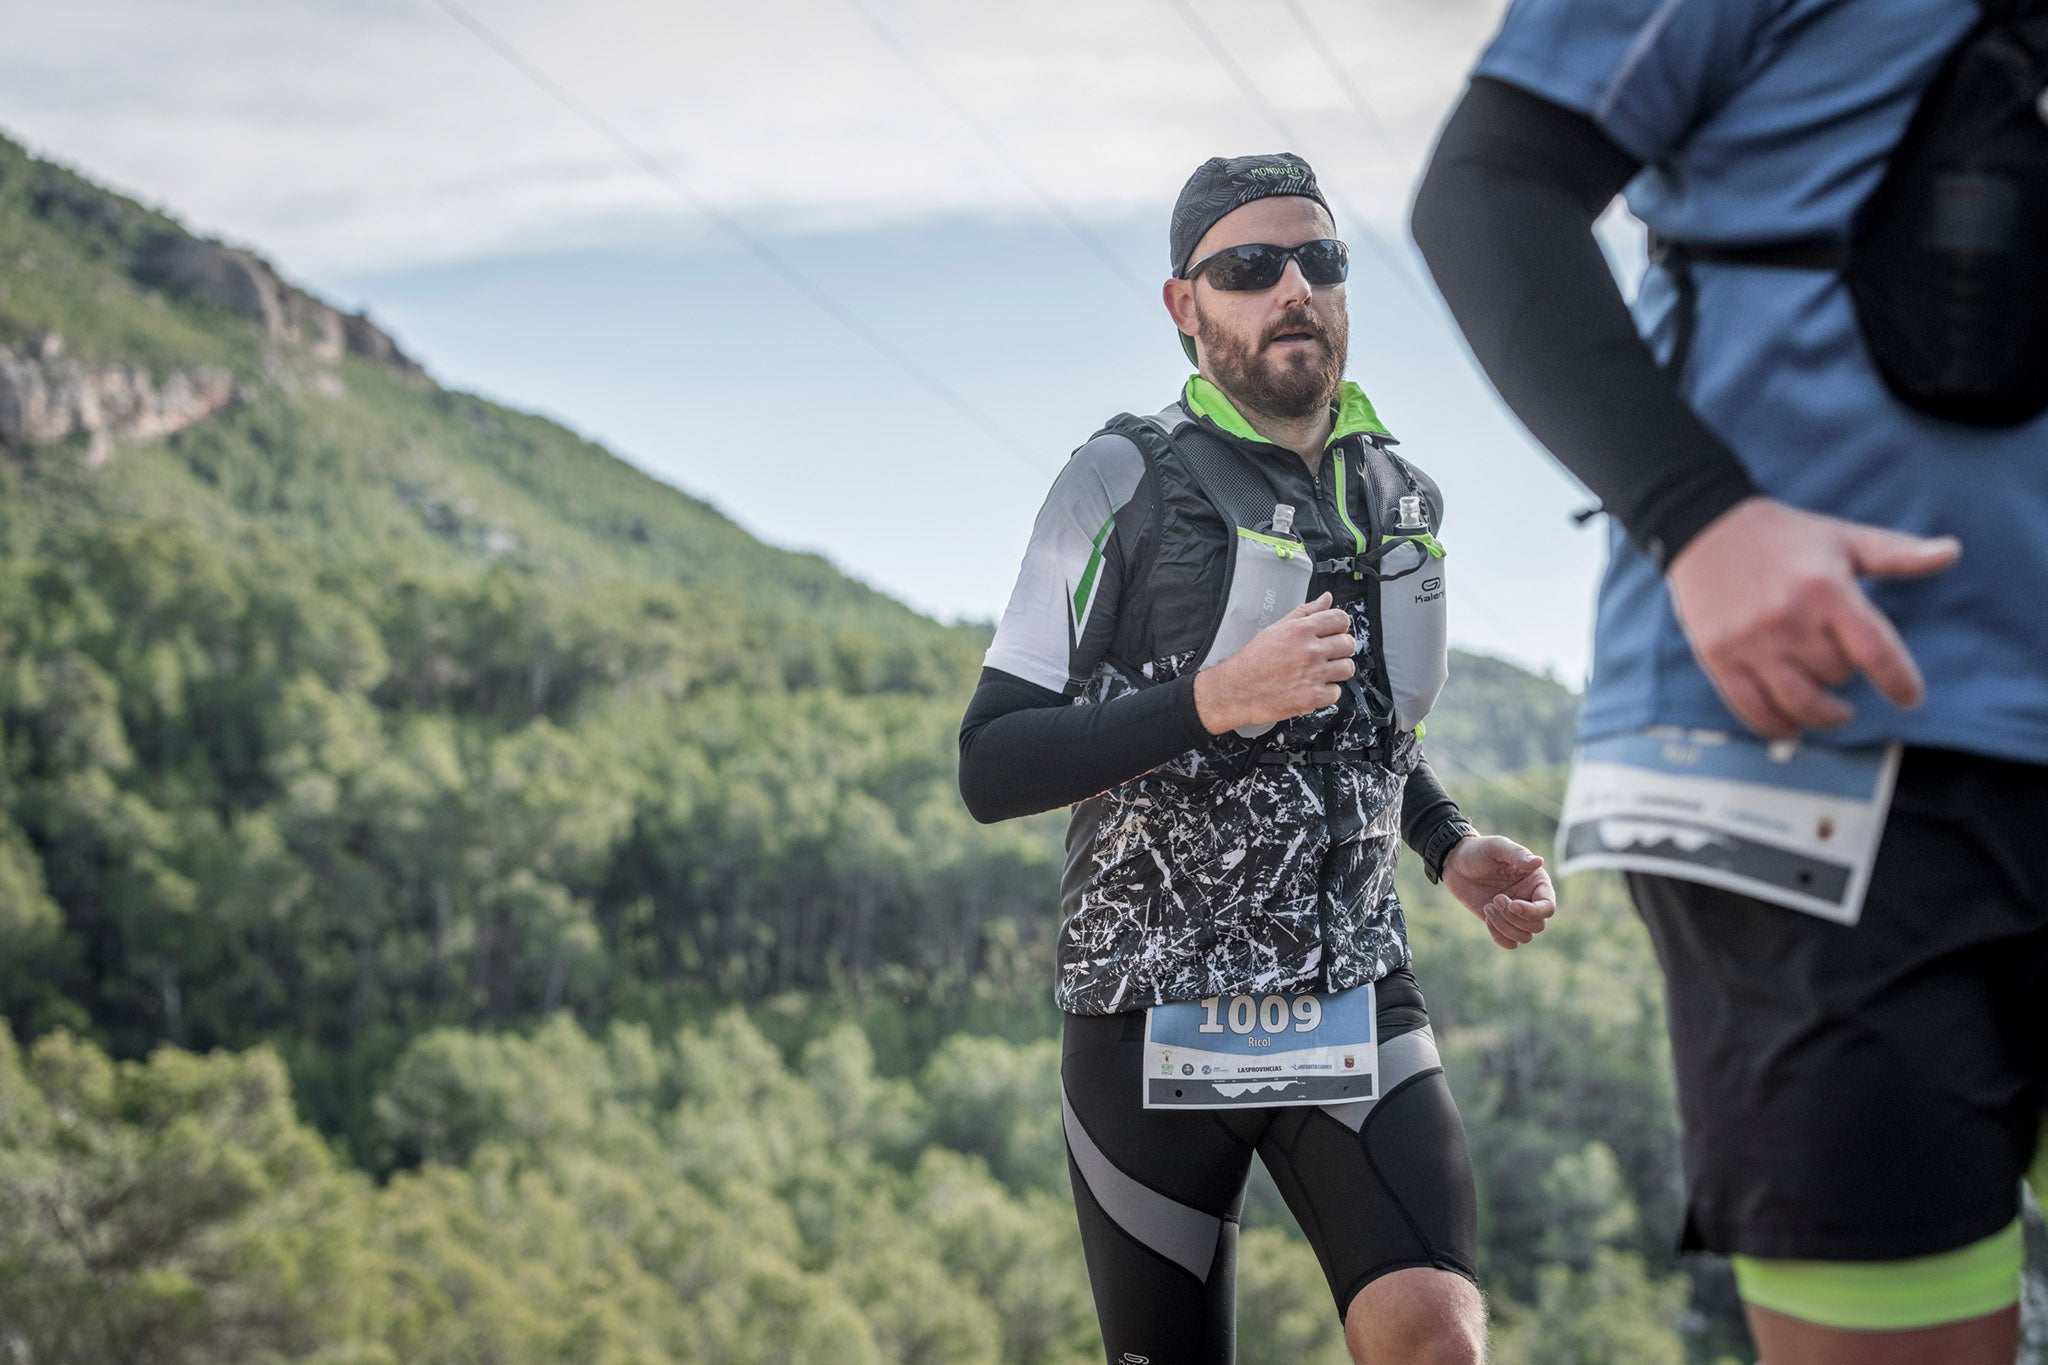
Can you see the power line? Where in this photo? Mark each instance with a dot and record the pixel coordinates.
(1398, 268)
(1509, 628)
(1511, 786)
(1094, 243)
(1257, 97)
(754, 246)
(1052, 202)
(1343, 78)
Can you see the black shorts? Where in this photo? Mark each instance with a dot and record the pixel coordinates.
(1875, 1092)
(1378, 1185)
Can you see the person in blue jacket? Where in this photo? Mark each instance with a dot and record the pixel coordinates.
(1797, 552)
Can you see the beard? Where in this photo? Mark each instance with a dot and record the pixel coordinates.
(1288, 385)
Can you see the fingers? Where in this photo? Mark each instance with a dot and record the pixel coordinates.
(1338, 644)
(1331, 622)
(1794, 693)
(1332, 650)
(1502, 926)
(1327, 624)
(1894, 554)
(1779, 696)
(1513, 922)
(1777, 685)
(1505, 924)
(1751, 704)
(1524, 918)
(1774, 642)
(1313, 605)
(1871, 643)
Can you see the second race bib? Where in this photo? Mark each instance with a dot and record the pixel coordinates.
(1794, 824)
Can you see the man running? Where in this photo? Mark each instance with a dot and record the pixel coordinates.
(1239, 792)
(1859, 1101)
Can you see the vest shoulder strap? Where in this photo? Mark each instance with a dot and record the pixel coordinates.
(1231, 482)
(1226, 477)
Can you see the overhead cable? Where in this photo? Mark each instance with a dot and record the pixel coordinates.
(1053, 203)
(1511, 786)
(1349, 86)
(1507, 627)
(1249, 88)
(753, 245)
(1400, 270)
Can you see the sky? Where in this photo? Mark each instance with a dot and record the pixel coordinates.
(861, 273)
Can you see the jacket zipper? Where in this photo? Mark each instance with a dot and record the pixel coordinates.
(1322, 774)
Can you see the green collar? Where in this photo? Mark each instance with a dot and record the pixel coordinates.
(1354, 411)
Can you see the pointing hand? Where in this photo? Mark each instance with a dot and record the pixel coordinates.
(1768, 596)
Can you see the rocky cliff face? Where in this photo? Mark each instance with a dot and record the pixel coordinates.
(46, 396)
(244, 284)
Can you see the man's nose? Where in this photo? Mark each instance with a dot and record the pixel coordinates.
(1293, 285)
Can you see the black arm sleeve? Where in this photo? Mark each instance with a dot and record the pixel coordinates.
(1505, 220)
(1424, 805)
(1025, 748)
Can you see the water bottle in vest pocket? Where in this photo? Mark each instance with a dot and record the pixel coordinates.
(1414, 627)
(1269, 577)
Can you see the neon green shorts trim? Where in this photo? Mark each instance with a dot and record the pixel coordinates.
(1891, 1296)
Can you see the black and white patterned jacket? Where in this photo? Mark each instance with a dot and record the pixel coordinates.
(1242, 865)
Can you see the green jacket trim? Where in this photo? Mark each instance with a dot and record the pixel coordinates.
(1354, 412)
(1343, 515)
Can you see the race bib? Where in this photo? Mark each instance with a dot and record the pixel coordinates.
(1259, 1051)
(1794, 824)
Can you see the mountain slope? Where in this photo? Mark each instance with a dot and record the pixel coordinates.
(336, 705)
(117, 327)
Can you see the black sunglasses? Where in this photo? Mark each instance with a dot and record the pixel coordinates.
(1259, 265)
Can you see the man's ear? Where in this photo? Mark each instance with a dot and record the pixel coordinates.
(1179, 297)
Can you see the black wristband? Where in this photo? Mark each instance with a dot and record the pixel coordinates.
(1441, 841)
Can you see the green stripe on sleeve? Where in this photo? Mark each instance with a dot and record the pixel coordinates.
(1086, 589)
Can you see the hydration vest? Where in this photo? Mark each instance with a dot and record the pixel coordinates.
(1394, 562)
(1258, 861)
(1948, 260)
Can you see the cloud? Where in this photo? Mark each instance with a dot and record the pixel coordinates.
(366, 135)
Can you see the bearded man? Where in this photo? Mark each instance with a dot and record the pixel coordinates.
(1226, 629)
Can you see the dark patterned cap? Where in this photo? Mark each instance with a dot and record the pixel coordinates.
(1221, 184)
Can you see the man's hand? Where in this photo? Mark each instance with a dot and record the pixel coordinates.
(1769, 599)
(1502, 883)
(1289, 669)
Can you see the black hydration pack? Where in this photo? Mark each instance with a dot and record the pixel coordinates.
(1397, 568)
(1948, 261)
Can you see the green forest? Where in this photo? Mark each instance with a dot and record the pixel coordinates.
(462, 900)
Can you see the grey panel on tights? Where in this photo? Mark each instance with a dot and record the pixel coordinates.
(1184, 1235)
(1401, 1058)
